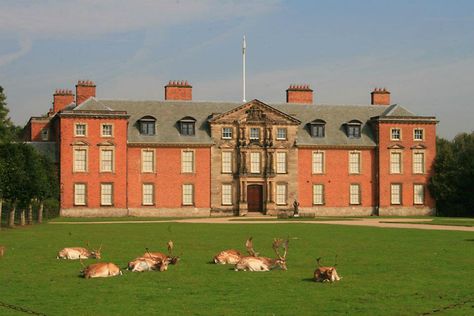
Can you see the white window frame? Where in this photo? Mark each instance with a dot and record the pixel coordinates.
(318, 194)
(148, 196)
(253, 137)
(188, 194)
(44, 134)
(255, 162)
(396, 193)
(187, 161)
(77, 191)
(422, 134)
(418, 194)
(75, 160)
(418, 166)
(145, 162)
(317, 165)
(226, 134)
(357, 154)
(281, 162)
(226, 162)
(284, 135)
(281, 194)
(354, 194)
(112, 159)
(106, 198)
(226, 194)
(75, 129)
(393, 153)
(392, 130)
(102, 130)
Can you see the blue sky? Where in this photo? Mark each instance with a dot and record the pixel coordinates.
(421, 50)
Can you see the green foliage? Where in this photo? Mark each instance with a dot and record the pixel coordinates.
(385, 271)
(8, 131)
(453, 179)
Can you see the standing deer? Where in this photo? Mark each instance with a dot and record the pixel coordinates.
(326, 274)
(100, 270)
(263, 263)
(232, 256)
(74, 253)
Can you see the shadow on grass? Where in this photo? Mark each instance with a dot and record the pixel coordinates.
(308, 280)
(468, 239)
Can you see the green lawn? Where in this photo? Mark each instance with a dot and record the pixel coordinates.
(449, 221)
(385, 271)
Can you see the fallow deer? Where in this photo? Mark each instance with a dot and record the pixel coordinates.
(74, 253)
(264, 263)
(232, 256)
(326, 274)
(154, 260)
(2, 251)
(100, 270)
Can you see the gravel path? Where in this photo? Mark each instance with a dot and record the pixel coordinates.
(372, 222)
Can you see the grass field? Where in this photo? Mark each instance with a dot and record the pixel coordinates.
(450, 221)
(385, 271)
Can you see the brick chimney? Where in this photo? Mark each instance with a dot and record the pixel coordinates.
(84, 90)
(299, 94)
(380, 97)
(61, 99)
(178, 90)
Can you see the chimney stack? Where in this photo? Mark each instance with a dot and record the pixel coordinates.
(380, 97)
(61, 99)
(178, 90)
(301, 94)
(84, 90)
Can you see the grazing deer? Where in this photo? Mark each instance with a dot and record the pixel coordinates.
(100, 270)
(2, 251)
(154, 260)
(232, 256)
(326, 274)
(74, 253)
(263, 263)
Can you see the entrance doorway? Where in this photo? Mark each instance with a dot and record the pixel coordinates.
(255, 198)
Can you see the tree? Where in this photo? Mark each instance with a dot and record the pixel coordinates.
(8, 131)
(453, 177)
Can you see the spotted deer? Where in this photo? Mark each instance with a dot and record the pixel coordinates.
(256, 263)
(326, 274)
(232, 256)
(74, 253)
(100, 270)
(154, 260)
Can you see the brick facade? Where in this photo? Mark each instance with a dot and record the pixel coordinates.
(179, 157)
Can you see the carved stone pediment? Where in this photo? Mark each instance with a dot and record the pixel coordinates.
(418, 146)
(80, 143)
(106, 143)
(254, 112)
(396, 146)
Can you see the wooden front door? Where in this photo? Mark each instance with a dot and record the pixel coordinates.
(255, 198)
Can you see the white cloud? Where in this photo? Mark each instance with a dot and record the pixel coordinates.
(25, 45)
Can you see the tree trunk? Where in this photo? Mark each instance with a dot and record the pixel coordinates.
(1, 205)
(11, 220)
(40, 213)
(22, 217)
(29, 220)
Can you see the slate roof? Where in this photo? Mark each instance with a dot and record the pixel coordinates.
(168, 113)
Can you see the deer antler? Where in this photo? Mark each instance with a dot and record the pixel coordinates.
(317, 260)
(82, 264)
(170, 247)
(277, 243)
(249, 246)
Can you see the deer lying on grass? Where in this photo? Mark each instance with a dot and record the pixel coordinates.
(154, 260)
(74, 253)
(232, 256)
(100, 270)
(2, 251)
(256, 263)
(326, 274)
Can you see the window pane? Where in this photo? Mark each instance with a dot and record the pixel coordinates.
(226, 194)
(106, 194)
(254, 133)
(148, 194)
(354, 194)
(79, 194)
(187, 162)
(187, 128)
(281, 162)
(418, 163)
(254, 162)
(80, 160)
(317, 130)
(106, 160)
(419, 194)
(281, 194)
(80, 129)
(395, 162)
(147, 127)
(227, 133)
(353, 131)
(148, 161)
(395, 194)
(188, 194)
(226, 162)
(354, 163)
(418, 134)
(318, 194)
(281, 133)
(318, 162)
(106, 130)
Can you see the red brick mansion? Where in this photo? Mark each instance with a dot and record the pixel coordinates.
(180, 157)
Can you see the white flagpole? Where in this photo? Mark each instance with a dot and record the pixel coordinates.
(244, 46)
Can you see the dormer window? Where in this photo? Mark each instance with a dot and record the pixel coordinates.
(353, 129)
(147, 125)
(317, 128)
(187, 126)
